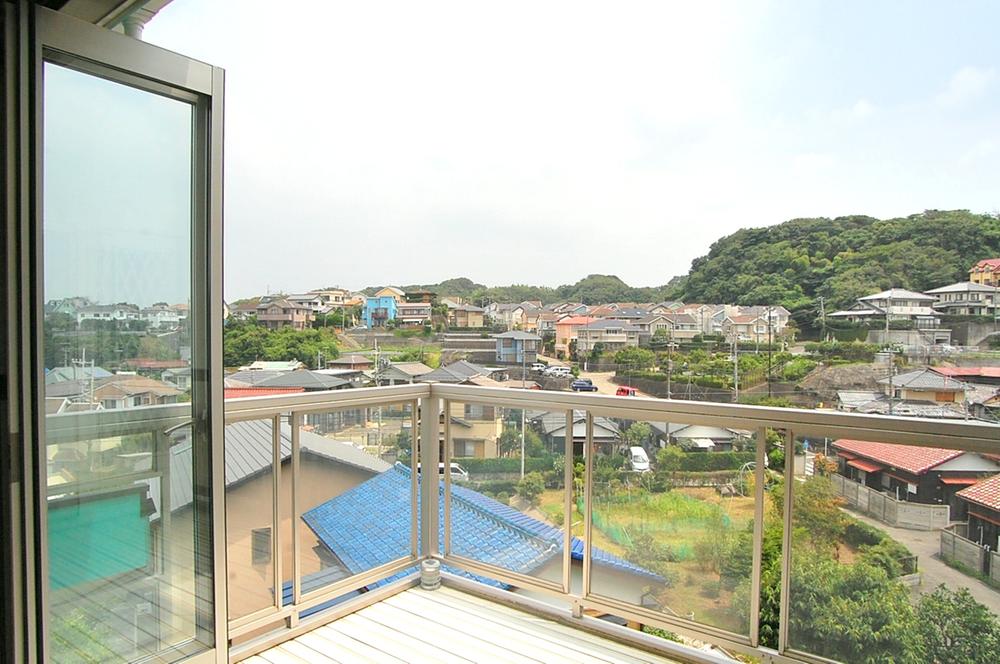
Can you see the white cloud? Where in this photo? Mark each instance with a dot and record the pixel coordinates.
(966, 85)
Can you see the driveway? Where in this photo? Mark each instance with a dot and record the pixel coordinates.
(602, 379)
(927, 545)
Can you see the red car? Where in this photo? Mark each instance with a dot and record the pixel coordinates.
(625, 392)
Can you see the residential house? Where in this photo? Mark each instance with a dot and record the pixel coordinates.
(612, 334)
(127, 391)
(282, 312)
(379, 310)
(466, 315)
(898, 303)
(178, 376)
(475, 430)
(280, 365)
(919, 474)
(121, 312)
(391, 291)
(82, 372)
(566, 333)
(530, 312)
(511, 316)
(424, 296)
(924, 385)
(310, 381)
(457, 372)
(569, 308)
(546, 323)
(974, 375)
(552, 426)
(699, 438)
(68, 306)
(665, 307)
(332, 297)
(482, 529)
(709, 317)
(161, 315)
(672, 326)
(413, 313)
(982, 507)
(353, 361)
(245, 310)
(966, 299)
(311, 300)
(986, 272)
(517, 347)
(401, 373)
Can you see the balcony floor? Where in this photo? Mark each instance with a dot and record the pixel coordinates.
(447, 625)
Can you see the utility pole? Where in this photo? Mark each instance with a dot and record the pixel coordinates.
(768, 352)
(670, 359)
(524, 359)
(736, 368)
(822, 317)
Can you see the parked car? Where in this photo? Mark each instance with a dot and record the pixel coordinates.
(638, 460)
(538, 367)
(625, 392)
(583, 385)
(457, 472)
(558, 372)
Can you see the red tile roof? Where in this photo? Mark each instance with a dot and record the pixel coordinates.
(576, 320)
(993, 263)
(986, 493)
(916, 460)
(240, 392)
(866, 466)
(968, 372)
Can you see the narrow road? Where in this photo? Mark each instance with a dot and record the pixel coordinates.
(602, 379)
(926, 544)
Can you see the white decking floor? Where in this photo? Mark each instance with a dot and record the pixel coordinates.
(447, 625)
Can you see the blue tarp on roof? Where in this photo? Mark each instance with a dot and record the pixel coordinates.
(369, 526)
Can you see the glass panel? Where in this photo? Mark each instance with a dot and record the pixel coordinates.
(673, 511)
(117, 347)
(354, 492)
(894, 552)
(500, 516)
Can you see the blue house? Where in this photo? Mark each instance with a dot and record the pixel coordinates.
(517, 347)
(379, 311)
(369, 525)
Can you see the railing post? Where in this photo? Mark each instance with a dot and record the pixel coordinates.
(446, 407)
(588, 501)
(296, 515)
(569, 486)
(758, 535)
(786, 542)
(276, 563)
(430, 411)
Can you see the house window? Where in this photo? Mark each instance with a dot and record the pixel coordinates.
(911, 488)
(886, 481)
(464, 448)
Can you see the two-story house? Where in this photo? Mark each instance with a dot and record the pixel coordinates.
(379, 310)
(279, 313)
(966, 299)
(121, 312)
(612, 334)
(566, 332)
(986, 272)
(517, 347)
(413, 313)
(466, 315)
(160, 315)
(898, 304)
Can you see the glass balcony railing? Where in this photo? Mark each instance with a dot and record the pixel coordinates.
(804, 535)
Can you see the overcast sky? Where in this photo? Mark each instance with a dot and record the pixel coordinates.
(408, 142)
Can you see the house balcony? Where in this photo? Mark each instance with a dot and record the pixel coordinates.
(328, 519)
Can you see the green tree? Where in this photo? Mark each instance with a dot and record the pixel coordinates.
(956, 628)
(635, 358)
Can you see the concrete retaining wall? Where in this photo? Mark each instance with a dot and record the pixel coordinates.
(995, 567)
(913, 516)
(956, 548)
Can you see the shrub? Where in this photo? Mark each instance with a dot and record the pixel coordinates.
(530, 487)
(505, 464)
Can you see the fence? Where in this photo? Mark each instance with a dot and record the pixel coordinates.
(956, 547)
(913, 516)
(995, 568)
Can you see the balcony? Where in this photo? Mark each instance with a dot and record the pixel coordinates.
(324, 503)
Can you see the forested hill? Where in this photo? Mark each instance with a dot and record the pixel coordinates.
(593, 289)
(840, 259)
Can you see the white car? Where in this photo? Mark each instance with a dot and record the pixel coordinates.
(638, 460)
(538, 367)
(558, 371)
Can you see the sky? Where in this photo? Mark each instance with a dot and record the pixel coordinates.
(538, 142)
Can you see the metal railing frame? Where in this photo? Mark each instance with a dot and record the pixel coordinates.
(429, 401)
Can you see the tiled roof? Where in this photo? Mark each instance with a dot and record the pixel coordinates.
(576, 320)
(896, 293)
(369, 525)
(240, 392)
(968, 372)
(916, 460)
(304, 378)
(992, 263)
(517, 334)
(924, 379)
(986, 493)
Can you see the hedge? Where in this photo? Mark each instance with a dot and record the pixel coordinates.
(709, 461)
(504, 465)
